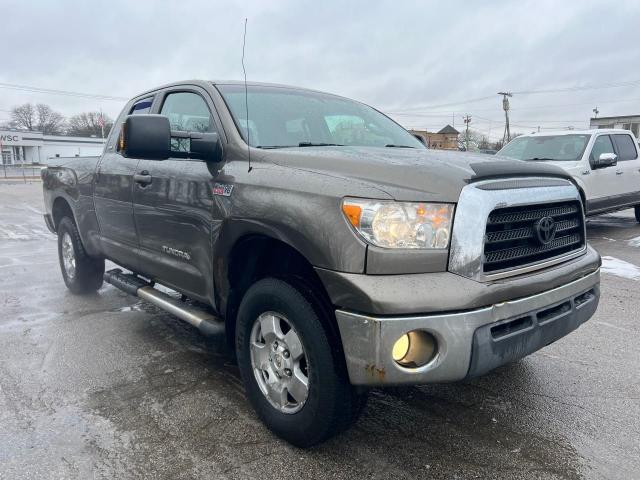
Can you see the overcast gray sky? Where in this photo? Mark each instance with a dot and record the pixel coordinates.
(399, 56)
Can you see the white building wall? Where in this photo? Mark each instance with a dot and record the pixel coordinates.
(33, 147)
(49, 152)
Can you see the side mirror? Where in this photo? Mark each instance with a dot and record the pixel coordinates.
(200, 146)
(605, 160)
(145, 136)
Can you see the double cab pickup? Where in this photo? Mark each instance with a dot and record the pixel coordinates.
(331, 247)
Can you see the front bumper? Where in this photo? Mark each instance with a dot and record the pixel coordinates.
(470, 342)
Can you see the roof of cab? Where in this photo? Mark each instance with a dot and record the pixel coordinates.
(205, 83)
(574, 132)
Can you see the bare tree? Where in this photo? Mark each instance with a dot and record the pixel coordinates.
(499, 144)
(89, 124)
(49, 121)
(23, 117)
(470, 138)
(41, 118)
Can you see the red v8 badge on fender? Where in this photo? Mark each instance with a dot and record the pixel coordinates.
(222, 189)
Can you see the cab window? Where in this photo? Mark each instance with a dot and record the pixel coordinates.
(601, 145)
(141, 106)
(187, 112)
(625, 146)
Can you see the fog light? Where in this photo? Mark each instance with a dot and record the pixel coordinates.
(415, 349)
(401, 348)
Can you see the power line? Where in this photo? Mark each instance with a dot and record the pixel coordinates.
(462, 102)
(576, 88)
(67, 93)
(631, 83)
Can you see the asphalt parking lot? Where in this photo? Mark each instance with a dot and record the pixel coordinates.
(106, 386)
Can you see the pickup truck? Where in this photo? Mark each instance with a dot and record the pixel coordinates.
(604, 164)
(334, 251)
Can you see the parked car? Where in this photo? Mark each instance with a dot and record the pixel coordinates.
(330, 246)
(604, 164)
(487, 151)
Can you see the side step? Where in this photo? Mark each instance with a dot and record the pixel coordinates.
(132, 284)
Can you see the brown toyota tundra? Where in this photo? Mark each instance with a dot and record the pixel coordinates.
(331, 247)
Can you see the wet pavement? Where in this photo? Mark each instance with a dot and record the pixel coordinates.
(106, 386)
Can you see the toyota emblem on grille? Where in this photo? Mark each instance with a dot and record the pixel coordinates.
(545, 229)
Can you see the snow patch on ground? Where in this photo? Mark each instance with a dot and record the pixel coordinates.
(620, 268)
(634, 242)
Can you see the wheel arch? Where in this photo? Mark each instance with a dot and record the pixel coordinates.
(61, 208)
(257, 255)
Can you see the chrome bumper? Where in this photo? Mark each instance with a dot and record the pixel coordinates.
(368, 341)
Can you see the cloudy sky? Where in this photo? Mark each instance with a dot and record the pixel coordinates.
(420, 61)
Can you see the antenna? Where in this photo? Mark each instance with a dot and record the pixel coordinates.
(246, 94)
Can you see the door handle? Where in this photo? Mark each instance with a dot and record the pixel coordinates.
(619, 172)
(143, 178)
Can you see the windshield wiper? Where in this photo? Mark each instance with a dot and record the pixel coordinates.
(267, 147)
(540, 159)
(391, 145)
(301, 144)
(314, 144)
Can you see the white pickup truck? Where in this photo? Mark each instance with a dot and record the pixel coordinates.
(603, 162)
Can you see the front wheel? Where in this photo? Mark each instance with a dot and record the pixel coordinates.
(637, 209)
(80, 272)
(294, 379)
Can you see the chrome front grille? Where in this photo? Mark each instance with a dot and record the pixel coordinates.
(524, 235)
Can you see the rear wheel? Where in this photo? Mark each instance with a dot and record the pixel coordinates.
(294, 379)
(81, 273)
(637, 209)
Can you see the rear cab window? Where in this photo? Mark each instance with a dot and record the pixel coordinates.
(625, 147)
(140, 107)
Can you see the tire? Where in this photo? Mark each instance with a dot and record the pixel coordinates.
(331, 404)
(81, 273)
(637, 209)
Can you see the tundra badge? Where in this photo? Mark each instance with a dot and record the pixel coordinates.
(176, 253)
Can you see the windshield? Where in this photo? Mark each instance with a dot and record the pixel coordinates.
(281, 117)
(550, 147)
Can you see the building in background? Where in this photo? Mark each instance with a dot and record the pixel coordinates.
(445, 139)
(628, 122)
(18, 147)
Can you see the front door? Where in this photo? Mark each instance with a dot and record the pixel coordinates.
(602, 183)
(113, 195)
(173, 205)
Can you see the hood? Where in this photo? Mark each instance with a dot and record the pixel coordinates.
(407, 173)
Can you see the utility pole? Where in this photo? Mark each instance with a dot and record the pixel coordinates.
(596, 111)
(506, 137)
(467, 121)
(101, 122)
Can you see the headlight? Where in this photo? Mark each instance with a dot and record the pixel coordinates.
(392, 224)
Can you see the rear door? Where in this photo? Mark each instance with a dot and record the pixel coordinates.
(629, 165)
(113, 195)
(173, 212)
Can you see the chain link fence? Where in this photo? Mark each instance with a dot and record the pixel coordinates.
(20, 172)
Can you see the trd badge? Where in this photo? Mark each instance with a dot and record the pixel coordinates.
(222, 189)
